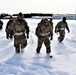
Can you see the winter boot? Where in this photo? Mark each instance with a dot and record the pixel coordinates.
(38, 50)
(48, 50)
(17, 50)
(7, 36)
(58, 39)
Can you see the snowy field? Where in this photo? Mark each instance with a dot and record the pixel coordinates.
(30, 63)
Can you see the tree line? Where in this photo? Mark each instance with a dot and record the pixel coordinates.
(27, 15)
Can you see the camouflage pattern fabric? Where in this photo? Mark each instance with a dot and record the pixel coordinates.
(48, 32)
(9, 33)
(20, 40)
(60, 27)
(19, 26)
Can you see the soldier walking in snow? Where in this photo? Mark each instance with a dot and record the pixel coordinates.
(1, 24)
(9, 33)
(60, 28)
(43, 32)
(19, 27)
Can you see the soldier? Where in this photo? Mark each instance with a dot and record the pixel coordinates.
(9, 33)
(50, 21)
(1, 24)
(43, 32)
(60, 28)
(19, 27)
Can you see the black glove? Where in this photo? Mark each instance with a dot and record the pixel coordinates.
(51, 38)
(68, 31)
(27, 36)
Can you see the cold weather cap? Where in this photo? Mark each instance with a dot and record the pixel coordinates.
(45, 20)
(64, 18)
(20, 15)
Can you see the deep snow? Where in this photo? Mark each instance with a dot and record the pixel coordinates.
(30, 63)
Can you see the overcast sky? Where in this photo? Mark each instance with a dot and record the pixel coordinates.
(38, 6)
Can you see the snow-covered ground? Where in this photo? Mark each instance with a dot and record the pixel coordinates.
(30, 63)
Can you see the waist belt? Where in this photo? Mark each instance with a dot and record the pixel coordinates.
(62, 28)
(20, 33)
